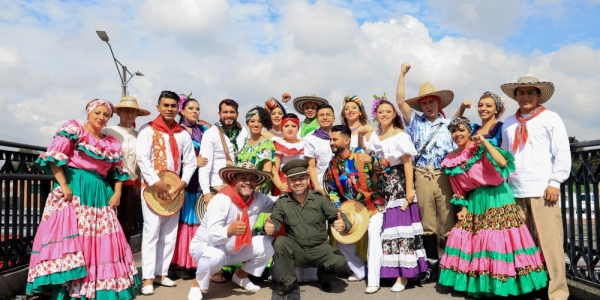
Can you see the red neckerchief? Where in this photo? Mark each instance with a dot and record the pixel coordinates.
(159, 124)
(232, 193)
(521, 131)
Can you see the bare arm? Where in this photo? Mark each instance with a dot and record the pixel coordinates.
(312, 171)
(59, 175)
(461, 109)
(496, 155)
(276, 180)
(405, 110)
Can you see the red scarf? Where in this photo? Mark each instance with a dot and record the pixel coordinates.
(232, 193)
(159, 124)
(521, 131)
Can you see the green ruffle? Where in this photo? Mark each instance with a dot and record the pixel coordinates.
(116, 175)
(487, 286)
(510, 163)
(507, 257)
(48, 282)
(459, 200)
(71, 136)
(43, 164)
(97, 156)
(128, 293)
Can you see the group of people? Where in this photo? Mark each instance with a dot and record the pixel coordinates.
(305, 200)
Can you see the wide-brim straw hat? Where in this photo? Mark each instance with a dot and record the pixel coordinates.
(131, 102)
(227, 174)
(426, 90)
(358, 216)
(162, 207)
(299, 102)
(546, 88)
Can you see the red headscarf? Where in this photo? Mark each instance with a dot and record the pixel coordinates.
(159, 124)
(236, 198)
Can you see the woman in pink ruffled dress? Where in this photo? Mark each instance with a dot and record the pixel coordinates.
(287, 148)
(80, 251)
(489, 251)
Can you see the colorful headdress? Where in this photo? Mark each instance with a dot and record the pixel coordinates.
(272, 104)
(376, 101)
(182, 99)
(98, 102)
(461, 120)
(353, 99)
(251, 113)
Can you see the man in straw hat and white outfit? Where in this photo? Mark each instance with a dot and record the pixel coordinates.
(352, 175)
(162, 145)
(307, 106)
(128, 110)
(431, 136)
(303, 212)
(538, 140)
(225, 234)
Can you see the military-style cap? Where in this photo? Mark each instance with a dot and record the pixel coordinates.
(295, 167)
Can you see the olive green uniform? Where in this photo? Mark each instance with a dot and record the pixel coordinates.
(305, 242)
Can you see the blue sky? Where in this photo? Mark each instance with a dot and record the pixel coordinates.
(252, 50)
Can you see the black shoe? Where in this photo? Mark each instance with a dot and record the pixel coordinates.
(432, 274)
(291, 292)
(326, 287)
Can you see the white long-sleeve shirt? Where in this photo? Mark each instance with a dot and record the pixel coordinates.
(544, 160)
(128, 139)
(212, 148)
(145, 155)
(320, 150)
(221, 212)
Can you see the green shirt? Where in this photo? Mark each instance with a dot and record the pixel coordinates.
(305, 224)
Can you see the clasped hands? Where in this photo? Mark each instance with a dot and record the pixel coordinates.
(163, 193)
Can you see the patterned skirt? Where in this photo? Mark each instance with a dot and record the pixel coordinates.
(188, 224)
(491, 252)
(403, 252)
(80, 251)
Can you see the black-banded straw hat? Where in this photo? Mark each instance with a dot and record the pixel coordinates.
(228, 174)
(300, 101)
(546, 88)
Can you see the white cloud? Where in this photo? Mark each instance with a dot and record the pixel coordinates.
(263, 49)
(185, 16)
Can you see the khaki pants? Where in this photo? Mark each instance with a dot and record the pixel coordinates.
(546, 227)
(433, 197)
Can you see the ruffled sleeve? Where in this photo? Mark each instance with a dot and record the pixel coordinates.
(510, 163)
(403, 145)
(265, 152)
(462, 162)
(61, 148)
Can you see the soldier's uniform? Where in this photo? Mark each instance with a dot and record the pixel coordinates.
(305, 242)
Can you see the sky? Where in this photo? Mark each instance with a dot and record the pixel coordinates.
(52, 62)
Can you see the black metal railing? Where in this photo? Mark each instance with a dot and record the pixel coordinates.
(580, 214)
(24, 192)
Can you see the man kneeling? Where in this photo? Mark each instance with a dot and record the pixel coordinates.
(303, 213)
(224, 236)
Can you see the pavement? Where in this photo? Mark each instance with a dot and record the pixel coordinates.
(340, 288)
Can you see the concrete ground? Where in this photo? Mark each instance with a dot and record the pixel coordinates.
(341, 288)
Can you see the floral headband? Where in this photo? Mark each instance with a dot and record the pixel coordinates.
(182, 99)
(98, 102)
(251, 114)
(497, 99)
(353, 99)
(272, 104)
(461, 120)
(376, 101)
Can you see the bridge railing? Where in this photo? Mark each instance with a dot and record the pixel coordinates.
(581, 215)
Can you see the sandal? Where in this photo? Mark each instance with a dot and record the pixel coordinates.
(218, 278)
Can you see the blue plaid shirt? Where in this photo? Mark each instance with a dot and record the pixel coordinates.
(420, 129)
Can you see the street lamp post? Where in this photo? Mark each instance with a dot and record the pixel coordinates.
(124, 71)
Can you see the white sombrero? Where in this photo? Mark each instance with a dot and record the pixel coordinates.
(164, 207)
(299, 102)
(228, 173)
(358, 216)
(426, 89)
(546, 88)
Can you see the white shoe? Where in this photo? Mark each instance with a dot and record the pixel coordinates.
(399, 286)
(195, 293)
(371, 289)
(148, 290)
(245, 283)
(353, 278)
(165, 282)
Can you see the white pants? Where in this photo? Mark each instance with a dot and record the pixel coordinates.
(374, 252)
(158, 242)
(212, 258)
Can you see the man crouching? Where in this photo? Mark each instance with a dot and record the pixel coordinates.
(302, 213)
(225, 234)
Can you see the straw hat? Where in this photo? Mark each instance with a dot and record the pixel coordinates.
(358, 215)
(427, 89)
(162, 207)
(131, 102)
(299, 102)
(227, 174)
(200, 208)
(547, 88)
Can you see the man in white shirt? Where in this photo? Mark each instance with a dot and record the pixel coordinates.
(316, 148)
(225, 234)
(227, 132)
(538, 140)
(162, 145)
(128, 110)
